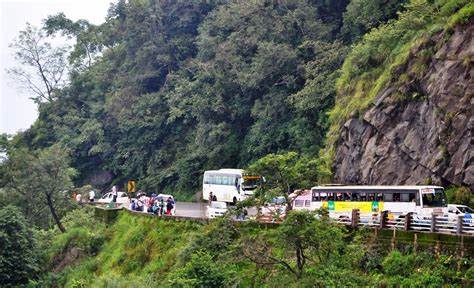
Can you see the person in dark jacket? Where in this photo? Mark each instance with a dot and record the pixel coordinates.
(169, 206)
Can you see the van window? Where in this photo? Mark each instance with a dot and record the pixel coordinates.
(299, 203)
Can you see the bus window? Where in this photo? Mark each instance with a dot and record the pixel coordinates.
(355, 197)
(316, 197)
(363, 196)
(346, 196)
(331, 197)
(388, 197)
(379, 197)
(299, 203)
(396, 197)
(371, 197)
(412, 197)
(323, 196)
(307, 203)
(405, 197)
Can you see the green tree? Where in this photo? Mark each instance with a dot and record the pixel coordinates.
(42, 182)
(301, 239)
(86, 35)
(18, 257)
(283, 174)
(460, 195)
(43, 67)
(362, 15)
(201, 271)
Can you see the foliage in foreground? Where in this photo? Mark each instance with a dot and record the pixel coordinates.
(18, 254)
(304, 251)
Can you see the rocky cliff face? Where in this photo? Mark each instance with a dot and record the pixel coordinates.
(421, 129)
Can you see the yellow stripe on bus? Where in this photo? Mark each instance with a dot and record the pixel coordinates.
(343, 206)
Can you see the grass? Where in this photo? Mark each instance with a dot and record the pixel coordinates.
(134, 247)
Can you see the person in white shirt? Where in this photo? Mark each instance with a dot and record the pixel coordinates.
(91, 196)
(114, 194)
(78, 198)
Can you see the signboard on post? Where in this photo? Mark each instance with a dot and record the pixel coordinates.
(131, 186)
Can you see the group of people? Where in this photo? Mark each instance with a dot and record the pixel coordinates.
(155, 204)
(78, 197)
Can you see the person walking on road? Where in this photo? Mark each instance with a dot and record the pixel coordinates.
(78, 198)
(210, 198)
(162, 207)
(114, 194)
(91, 196)
(169, 206)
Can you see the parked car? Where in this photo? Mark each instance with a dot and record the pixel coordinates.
(455, 210)
(122, 199)
(216, 209)
(276, 207)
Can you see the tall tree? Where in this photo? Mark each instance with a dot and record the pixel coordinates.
(43, 67)
(284, 173)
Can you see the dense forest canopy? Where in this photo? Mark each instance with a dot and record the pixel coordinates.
(163, 90)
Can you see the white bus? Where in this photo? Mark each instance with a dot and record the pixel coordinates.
(229, 185)
(423, 200)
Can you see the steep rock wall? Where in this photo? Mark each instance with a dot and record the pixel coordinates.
(421, 130)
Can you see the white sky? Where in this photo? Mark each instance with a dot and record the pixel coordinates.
(17, 111)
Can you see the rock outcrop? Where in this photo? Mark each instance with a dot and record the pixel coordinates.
(421, 129)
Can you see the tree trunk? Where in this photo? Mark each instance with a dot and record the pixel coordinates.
(300, 261)
(55, 216)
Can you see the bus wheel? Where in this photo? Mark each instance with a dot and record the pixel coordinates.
(234, 201)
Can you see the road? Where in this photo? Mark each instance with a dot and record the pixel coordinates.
(191, 209)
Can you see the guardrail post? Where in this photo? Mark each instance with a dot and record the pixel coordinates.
(383, 219)
(408, 218)
(433, 223)
(355, 218)
(459, 225)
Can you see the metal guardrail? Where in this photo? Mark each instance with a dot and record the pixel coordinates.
(409, 222)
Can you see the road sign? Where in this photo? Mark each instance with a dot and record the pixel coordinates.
(131, 186)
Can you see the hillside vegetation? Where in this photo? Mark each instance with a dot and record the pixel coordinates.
(164, 90)
(139, 250)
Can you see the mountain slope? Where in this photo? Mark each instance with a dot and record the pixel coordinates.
(412, 116)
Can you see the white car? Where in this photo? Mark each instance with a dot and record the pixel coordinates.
(455, 210)
(216, 209)
(122, 199)
(276, 208)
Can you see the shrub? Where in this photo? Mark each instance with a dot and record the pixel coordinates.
(18, 255)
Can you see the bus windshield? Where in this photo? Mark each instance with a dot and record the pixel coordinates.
(436, 199)
(251, 182)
